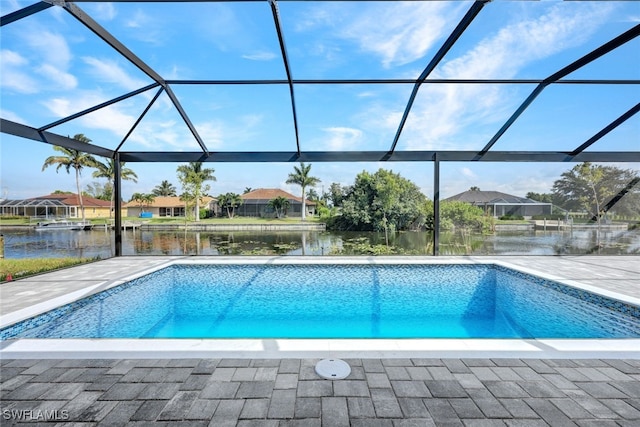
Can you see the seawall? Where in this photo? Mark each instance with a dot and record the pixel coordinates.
(236, 227)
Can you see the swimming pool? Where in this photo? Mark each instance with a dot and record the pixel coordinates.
(336, 301)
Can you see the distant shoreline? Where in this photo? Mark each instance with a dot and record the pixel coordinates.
(198, 227)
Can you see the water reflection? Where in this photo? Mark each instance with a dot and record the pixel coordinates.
(27, 243)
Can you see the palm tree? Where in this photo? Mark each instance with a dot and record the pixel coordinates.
(148, 199)
(192, 177)
(143, 200)
(72, 159)
(301, 177)
(230, 201)
(279, 203)
(165, 188)
(247, 190)
(108, 170)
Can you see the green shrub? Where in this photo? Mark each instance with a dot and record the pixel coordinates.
(511, 218)
(458, 214)
(553, 217)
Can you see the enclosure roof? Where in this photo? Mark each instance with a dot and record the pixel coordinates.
(491, 197)
(69, 200)
(264, 195)
(325, 81)
(32, 203)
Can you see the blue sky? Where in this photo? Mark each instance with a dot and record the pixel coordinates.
(51, 66)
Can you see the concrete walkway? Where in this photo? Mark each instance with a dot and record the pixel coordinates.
(288, 392)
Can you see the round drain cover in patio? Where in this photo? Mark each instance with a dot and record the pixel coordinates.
(333, 369)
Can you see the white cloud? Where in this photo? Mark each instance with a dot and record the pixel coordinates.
(399, 33)
(9, 6)
(51, 47)
(111, 72)
(104, 11)
(260, 56)
(54, 57)
(113, 118)
(521, 43)
(58, 78)
(148, 29)
(211, 133)
(161, 134)
(396, 34)
(137, 20)
(13, 75)
(466, 172)
(342, 138)
(10, 115)
(442, 112)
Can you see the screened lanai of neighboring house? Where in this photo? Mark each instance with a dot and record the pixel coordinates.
(451, 91)
(37, 208)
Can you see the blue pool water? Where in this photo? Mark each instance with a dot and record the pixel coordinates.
(337, 301)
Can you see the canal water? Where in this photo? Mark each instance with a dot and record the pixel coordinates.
(28, 243)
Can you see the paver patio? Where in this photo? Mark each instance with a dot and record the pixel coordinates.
(288, 392)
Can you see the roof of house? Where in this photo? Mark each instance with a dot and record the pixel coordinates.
(74, 200)
(165, 202)
(479, 197)
(263, 195)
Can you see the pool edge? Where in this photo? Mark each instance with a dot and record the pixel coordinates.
(291, 348)
(319, 348)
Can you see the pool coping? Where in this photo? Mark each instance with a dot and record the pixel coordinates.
(297, 348)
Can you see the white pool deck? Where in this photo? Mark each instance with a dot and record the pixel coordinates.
(617, 277)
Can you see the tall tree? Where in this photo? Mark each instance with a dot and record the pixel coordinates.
(598, 189)
(247, 190)
(380, 201)
(337, 193)
(387, 187)
(230, 201)
(193, 177)
(540, 197)
(108, 170)
(72, 159)
(99, 191)
(301, 177)
(164, 189)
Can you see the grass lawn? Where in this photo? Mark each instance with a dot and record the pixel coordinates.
(24, 267)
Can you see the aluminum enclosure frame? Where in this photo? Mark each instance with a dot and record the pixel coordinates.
(297, 154)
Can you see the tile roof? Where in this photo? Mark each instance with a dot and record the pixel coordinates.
(165, 202)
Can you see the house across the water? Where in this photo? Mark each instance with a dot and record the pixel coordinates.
(166, 206)
(499, 204)
(256, 203)
(59, 205)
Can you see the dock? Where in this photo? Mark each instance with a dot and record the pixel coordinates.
(133, 225)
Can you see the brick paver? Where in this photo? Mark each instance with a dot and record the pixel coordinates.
(257, 392)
